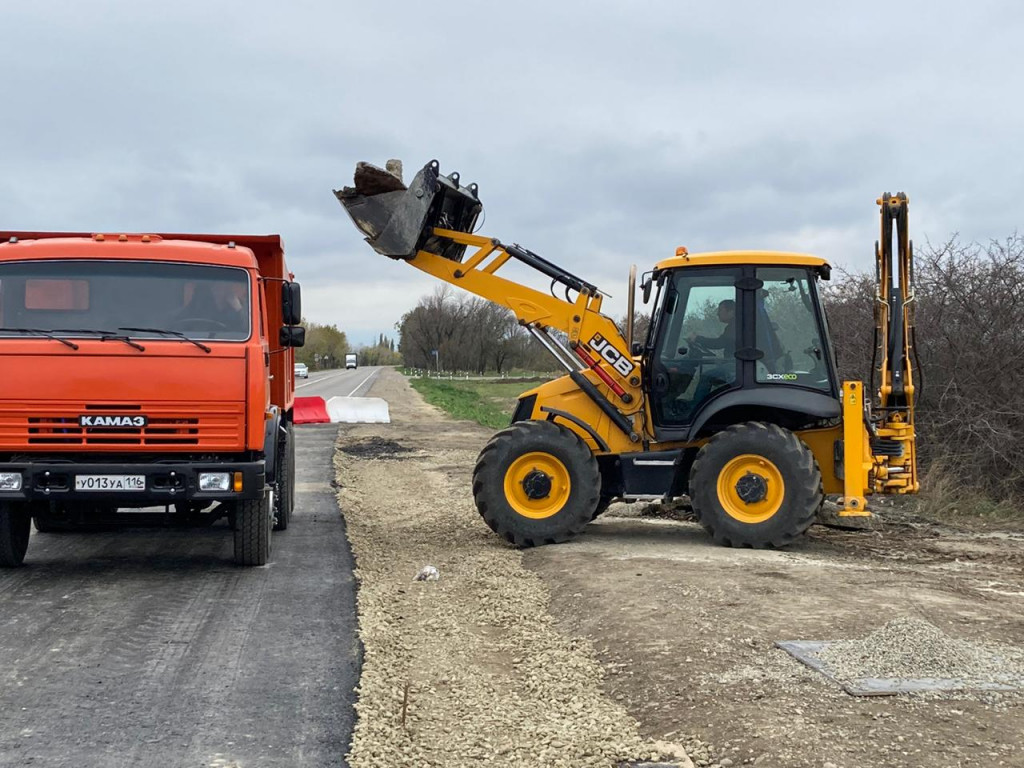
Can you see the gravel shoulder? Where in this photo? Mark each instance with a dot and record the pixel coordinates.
(470, 667)
(641, 630)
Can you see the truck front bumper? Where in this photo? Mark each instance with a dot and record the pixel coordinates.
(140, 485)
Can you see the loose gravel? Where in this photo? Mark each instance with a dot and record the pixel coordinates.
(467, 668)
(911, 648)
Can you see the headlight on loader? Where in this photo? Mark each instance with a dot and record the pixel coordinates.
(10, 481)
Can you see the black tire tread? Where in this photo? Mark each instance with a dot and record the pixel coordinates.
(15, 529)
(603, 502)
(802, 476)
(252, 532)
(285, 487)
(488, 483)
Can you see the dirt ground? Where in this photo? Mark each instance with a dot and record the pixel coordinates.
(688, 631)
(684, 630)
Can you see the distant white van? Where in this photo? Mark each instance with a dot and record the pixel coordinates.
(351, 361)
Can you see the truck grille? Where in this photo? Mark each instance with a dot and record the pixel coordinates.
(188, 425)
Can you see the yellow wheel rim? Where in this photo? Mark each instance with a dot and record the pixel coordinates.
(750, 488)
(537, 485)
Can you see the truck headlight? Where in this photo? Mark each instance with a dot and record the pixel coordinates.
(214, 481)
(10, 481)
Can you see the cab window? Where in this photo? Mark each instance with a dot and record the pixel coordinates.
(787, 330)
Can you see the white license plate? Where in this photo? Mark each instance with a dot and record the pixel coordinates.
(110, 483)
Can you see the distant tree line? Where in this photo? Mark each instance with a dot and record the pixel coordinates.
(381, 353)
(325, 347)
(455, 332)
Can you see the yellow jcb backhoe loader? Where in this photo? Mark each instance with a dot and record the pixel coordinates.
(732, 398)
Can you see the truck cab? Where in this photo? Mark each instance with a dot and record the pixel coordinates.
(351, 360)
(146, 370)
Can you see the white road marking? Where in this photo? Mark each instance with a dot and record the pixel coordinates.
(372, 374)
(325, 378)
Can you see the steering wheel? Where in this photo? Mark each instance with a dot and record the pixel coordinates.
(700, 350)
(202, 322)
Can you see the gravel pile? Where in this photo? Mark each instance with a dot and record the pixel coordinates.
(911, 648)
(468, 667)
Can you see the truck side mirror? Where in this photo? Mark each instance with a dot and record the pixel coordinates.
(292, 336)
(645, 286)
(291, 304)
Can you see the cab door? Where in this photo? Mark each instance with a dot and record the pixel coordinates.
(693, 356)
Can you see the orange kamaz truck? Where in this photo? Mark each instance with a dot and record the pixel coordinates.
(146, 370)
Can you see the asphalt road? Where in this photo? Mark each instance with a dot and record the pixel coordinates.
(354, 382)
(147, 646)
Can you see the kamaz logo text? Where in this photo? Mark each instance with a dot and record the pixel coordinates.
(90, 420)
(604, 348)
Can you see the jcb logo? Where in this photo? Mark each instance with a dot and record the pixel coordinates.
(604, 348)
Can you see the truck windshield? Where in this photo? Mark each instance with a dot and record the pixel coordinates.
(198, 302)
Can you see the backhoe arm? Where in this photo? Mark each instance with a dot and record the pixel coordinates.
(429, 224)
(893, 442)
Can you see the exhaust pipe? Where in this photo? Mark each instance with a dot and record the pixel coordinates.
(398, 220)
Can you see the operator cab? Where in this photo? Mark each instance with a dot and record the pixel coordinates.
(734, 335)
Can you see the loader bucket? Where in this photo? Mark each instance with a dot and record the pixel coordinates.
(398, 221)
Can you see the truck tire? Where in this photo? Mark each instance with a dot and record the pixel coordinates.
(284, 493)
(15, 528)
(755, 485)
(254, 519)
(536, 483)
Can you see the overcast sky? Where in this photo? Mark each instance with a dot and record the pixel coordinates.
(601, 133)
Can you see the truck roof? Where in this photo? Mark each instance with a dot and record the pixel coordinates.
(227, 250)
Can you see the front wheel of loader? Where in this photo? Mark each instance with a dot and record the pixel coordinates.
(755, 485)
(536, 483)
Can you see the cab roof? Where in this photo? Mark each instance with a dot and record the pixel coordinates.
(225, 250)
(684, 259)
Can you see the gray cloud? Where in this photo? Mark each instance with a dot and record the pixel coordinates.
(601, 133)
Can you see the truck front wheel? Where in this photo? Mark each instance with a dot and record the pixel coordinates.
(254, 519)
(15, 527)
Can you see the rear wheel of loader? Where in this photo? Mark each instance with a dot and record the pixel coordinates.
(536, 483)
(755, 485)
(15, 528)
(254, 519)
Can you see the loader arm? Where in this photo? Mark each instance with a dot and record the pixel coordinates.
(429, 225)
